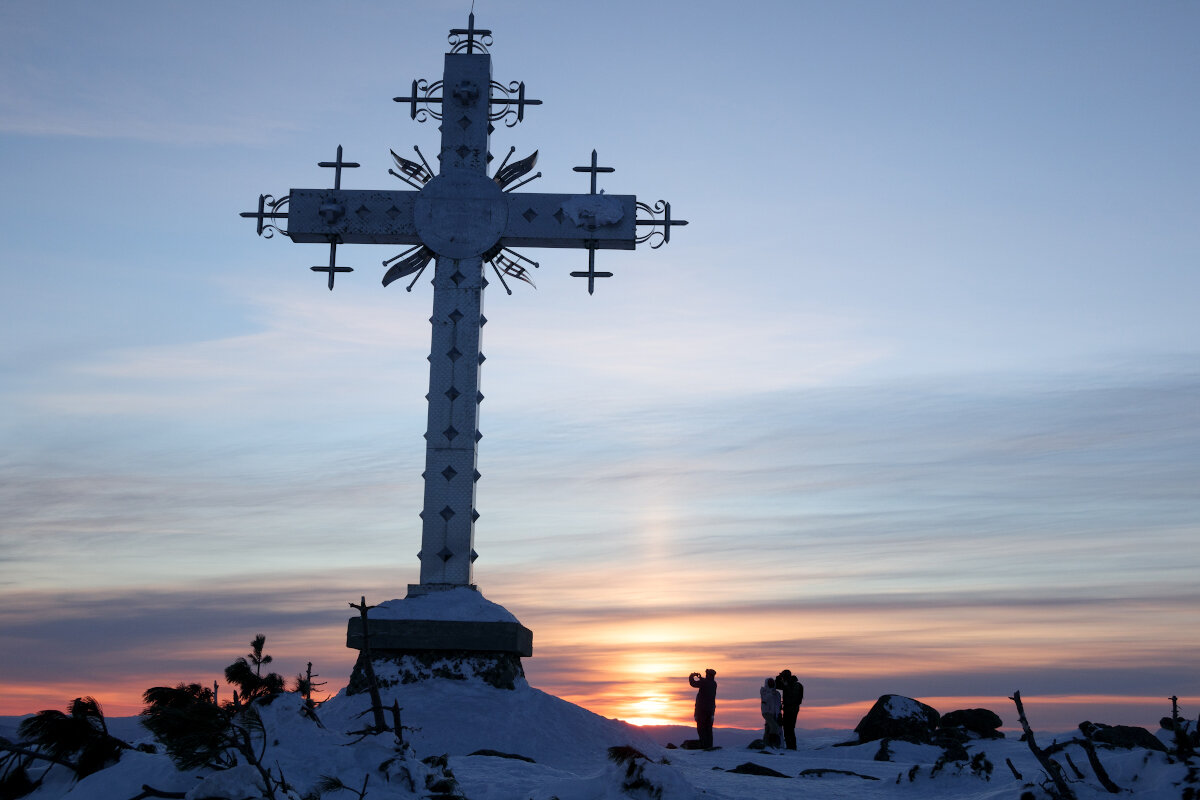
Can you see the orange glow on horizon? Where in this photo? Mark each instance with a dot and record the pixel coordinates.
(630, 662)
(25, 699)
(643, 699)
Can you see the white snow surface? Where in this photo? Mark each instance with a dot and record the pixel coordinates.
(460, 603)
(903, 707)
(568, 747)
(593, 209)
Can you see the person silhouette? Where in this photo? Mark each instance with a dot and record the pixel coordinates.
(770, 713)
(706, 705)
(792, 690)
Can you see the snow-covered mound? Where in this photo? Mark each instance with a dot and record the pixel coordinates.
(460, 717)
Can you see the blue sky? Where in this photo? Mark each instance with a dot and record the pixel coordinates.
(911, 405)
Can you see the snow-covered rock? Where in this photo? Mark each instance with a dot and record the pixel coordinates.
(896, 717)
(978, 721)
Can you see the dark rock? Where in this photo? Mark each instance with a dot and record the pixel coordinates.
(822, 772)
(691, 744)
(636, 782)
(498, 754)
(625, 754)
(1129, 737)
(750, 768)
(979, 721)
(897, 717)
(1185, 725)
(952, 750)
(757, 744)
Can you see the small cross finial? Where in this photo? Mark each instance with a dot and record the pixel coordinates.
(666, 223)
(471, 31)
(591, 273)
(337, 167)
(594, 170)
(262, 215)
(332, 269)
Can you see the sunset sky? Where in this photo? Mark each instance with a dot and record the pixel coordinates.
(911, 406)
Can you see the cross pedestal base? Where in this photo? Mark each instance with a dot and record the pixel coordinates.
(439, 632)
(405, 635)
(500, 670)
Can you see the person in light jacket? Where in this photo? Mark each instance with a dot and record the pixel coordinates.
(771, 710)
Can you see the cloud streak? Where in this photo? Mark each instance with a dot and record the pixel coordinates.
(849, 650)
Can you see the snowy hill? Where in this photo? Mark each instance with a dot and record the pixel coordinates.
(563, 753)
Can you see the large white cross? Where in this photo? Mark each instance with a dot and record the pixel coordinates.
(461, 217)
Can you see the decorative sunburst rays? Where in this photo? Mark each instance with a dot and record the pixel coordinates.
(503, 260)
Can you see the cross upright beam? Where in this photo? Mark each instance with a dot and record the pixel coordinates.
(460, 232)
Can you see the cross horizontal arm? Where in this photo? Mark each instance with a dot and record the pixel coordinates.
(596, 221)
(355, 216)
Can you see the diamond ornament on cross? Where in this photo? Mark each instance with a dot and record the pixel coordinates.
(460, 218)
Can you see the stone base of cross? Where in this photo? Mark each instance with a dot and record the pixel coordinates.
(462, 216)
(443, 632)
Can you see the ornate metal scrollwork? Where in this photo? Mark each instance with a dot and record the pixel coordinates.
(422, 102)
(269, 208)
(506, 261)
(415, 175)
(507, 173)
(662, 207)
(414, 259)
(502, 108)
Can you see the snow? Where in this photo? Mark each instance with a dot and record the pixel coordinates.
(593, 210)
(901, 707)
(461, 603)
(568, 746)
(236, 783)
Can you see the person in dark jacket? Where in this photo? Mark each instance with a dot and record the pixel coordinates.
(706, 705)
(792, 691)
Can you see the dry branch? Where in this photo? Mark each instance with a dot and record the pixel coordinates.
(1097, 767)
(1053, 768)
(369, 668)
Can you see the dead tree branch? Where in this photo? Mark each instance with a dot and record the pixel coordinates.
(1090, 748)
(1053, 769)
(369, 668)
(150, 791)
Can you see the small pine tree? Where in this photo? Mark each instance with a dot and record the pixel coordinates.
(189, 723)
(305, 686)
(256, 655)
(251, 683)
(199, 733)
(79, 738)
